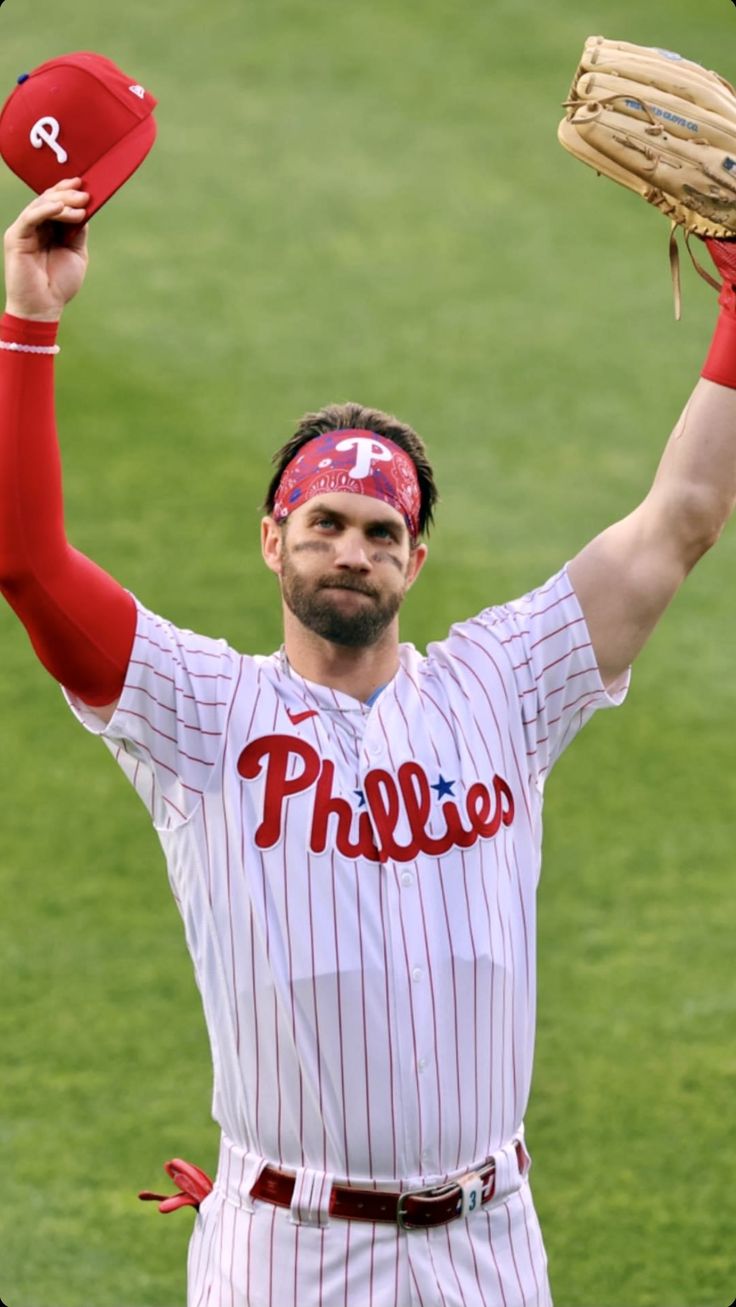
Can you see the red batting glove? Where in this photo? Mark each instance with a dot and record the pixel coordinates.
(723, 254)
(194, 1186)
(720, 365)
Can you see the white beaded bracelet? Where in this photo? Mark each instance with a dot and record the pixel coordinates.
(29, 349)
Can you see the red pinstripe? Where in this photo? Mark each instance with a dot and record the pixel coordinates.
(438, 1279)
(348, 1229)
(370, 1275)
(476, 1033)
(287, 923)
(396, 1271)
(504, 1010)
(513, 1253)
(459, 1104)
(255, 1025)
(522, 634)
(568, 706)
(271, 1261)
(169, 802)
(206, 1282)
(510, 1124)
(228, 867)
(341, 1040)
(550, 635)
(169, 708)
(163, 676)
(164, 766)
(531, 1256)
(416, 1284)
(463, 1299)
(466, 1226)
(583, 699)
(365, 1030)
(222, 1223)
(130, 712)
(520, 896)
(434, 1009)
(316, 1016)
(576, 648)
(390, 1041)
(232, 1249)
(410, 999)
(191, 650)
(196, 1264)
(249, 1257)
(487, 1215)
(321, 1268)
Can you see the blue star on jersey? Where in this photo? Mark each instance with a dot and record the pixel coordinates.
(443, 787)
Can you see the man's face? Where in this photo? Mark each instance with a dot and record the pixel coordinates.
(345, 564)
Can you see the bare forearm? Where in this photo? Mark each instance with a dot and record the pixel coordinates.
(626, 577)
(695, 484)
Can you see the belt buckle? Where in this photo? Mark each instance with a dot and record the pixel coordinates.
(436, 1192)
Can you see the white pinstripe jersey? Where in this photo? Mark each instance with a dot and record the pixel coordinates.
(358, 883)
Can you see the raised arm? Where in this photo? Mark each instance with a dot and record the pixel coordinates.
(626, 577)
(80, 621)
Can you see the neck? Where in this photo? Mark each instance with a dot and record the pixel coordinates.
(357, 672)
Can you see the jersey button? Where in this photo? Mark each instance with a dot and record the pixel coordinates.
(407, 878)
(417, 973)
(422, 1064)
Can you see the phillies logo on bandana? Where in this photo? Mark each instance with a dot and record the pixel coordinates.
(354, 461)
(290, 766)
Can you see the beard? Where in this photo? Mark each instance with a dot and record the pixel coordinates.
(317, 607)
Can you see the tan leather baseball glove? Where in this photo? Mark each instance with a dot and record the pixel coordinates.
(664, 127)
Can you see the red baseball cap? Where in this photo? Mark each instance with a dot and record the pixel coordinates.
(77, 116)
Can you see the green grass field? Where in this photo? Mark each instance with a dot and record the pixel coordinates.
(367, 201)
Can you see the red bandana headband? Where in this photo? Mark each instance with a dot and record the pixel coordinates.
(356, 462)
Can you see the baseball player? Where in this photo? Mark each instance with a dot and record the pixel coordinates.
(352, 829)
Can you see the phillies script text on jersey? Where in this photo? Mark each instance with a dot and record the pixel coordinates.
(388, 798)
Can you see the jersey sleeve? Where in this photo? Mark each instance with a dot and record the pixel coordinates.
(79, 619)
(554, 683)
(169, 725)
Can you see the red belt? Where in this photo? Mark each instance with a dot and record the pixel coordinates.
(413, 1209)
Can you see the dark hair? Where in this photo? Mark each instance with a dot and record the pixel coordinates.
(340, 417)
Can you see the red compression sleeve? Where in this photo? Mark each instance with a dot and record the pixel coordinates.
(720, 365)
(80, 621)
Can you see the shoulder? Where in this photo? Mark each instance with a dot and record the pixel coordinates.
(160, 633)
(498, 639)
(173, 661)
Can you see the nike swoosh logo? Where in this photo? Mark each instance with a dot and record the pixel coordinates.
(296, 717)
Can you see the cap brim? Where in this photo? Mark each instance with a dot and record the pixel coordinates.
(114, 169)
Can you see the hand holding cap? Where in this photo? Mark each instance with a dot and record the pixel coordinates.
(77, 115)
